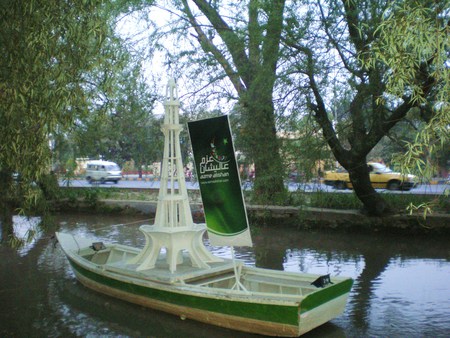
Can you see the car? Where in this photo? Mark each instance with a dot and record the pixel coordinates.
(102, 171)
(381, 177)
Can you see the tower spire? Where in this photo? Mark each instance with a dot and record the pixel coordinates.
(173, 208)
(174, 228)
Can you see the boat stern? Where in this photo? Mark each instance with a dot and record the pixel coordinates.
(324, 305)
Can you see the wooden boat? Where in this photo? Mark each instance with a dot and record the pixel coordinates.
(272, 302)
(174, 272)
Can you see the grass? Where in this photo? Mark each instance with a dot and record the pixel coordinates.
(331, 200)
(344, 201)
(328, 200)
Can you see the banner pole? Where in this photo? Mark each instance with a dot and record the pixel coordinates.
(237, 274)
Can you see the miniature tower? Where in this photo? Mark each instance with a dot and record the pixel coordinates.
(173, 208)
(174, 228)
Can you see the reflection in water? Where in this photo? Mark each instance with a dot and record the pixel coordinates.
(401, 284)
(27, 232)
(312, 261)
(412, 290)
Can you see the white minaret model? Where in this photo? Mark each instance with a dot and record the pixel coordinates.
(174, 229)
(173, 208)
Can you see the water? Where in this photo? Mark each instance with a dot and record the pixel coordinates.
(402, 284)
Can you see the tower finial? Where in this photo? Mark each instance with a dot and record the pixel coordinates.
(171, 90)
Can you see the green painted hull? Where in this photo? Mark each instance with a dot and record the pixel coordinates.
(246, 314)
(266, 312)
(268, 302)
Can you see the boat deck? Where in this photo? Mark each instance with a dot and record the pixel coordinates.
(119, 260)
(161, 273)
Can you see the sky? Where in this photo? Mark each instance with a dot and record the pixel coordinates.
(134, 29)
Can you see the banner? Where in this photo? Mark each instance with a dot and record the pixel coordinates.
(220, 186)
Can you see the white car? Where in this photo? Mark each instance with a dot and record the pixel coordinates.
(103, 171)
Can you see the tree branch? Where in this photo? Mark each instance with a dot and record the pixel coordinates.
(427, 83)
(208, 46)
(335, 44)
(235, 45)
(351, 14)
(272, 42)
(254, 35)
(319, 109)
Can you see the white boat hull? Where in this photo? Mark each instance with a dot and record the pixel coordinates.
(275, 303)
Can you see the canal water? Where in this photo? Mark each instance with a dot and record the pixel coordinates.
(402, 283)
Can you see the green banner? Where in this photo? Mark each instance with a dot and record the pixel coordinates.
(220, 186)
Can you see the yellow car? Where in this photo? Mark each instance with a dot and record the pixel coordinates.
(381, 177)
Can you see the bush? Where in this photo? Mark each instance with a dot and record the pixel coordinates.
(330, 200)
(341, 201)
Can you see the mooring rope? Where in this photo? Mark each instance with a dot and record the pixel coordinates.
(124, 224)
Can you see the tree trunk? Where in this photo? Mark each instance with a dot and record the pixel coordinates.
(251, 67)
(7, 225)
(374, 204)
(261, 140)
(6, 207)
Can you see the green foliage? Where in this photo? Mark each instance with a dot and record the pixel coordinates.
(69, 173)
(74, 197)
(305, 151)
(347, 201)
(70, 195)
(126, 129)
(48, 48)
(233, 60)
(404, 201)
(91, 196)
(298, 198)
(88, 194)
(429, 205)
(49, 186)
(330, 200)
(58, 57)
(359, 95)
(413, 43)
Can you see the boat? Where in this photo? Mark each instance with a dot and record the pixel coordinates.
(275, 303)
(175, 272)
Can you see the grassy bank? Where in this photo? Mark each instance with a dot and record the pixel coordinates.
(327, 200)
(343, 201)
(321, 210)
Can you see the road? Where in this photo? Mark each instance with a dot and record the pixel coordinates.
(134, 183)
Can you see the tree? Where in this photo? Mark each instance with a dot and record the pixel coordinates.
(305, 149)
(419, 33)
(139, 136)
(328, 48)
(125, 129)
(348, 31)
(246, 50)
(48, 49)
